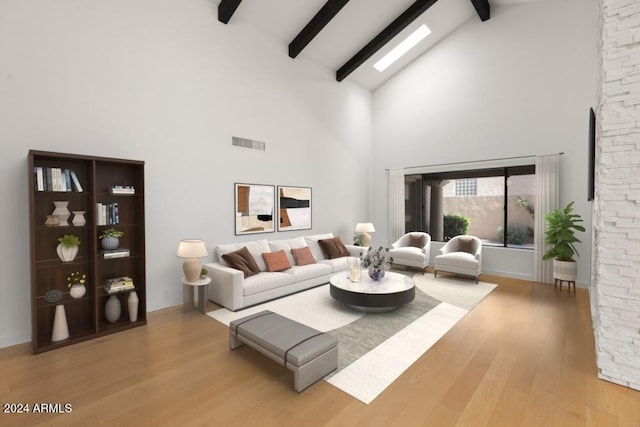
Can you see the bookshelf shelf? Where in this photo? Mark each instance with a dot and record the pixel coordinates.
(95, 177)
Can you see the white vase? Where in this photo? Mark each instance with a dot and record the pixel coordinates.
(60, 328)
(132, 303)
(78, 218)
(61, 212)
(67, 254)
(78, 290)
(112, 309)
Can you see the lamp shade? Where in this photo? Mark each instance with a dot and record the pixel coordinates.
(192, 248)
(365, 227)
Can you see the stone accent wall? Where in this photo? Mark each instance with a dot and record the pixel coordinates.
(615, 293)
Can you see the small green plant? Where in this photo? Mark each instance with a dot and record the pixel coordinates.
(560, 235)
(204, 272)
(357, 241)
(69, 241)
(111, 232)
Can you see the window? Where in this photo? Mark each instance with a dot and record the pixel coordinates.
(494, 204)
(466, 186)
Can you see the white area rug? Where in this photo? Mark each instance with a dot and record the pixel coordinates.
(368, 376)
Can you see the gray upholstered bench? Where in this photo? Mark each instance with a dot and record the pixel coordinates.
(309, 353)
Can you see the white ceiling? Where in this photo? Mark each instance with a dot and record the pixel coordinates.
(353, 27)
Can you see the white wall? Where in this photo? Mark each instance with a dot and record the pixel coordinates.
(163, 81)
(518, 84)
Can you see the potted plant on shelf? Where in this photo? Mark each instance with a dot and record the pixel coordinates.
(560, 237)
(110, 238)
(75, 283)
(67, 249)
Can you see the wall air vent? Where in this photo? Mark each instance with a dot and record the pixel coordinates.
(248, 143)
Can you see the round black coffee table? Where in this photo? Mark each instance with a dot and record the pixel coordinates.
(369, 295)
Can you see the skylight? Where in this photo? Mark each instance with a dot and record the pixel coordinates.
(403, 47)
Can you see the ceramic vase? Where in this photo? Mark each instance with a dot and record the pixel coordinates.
(132, 303)
(51, 221)
(66, 254)
(78, 218)
(77, 290)
(62, 212)
(112, 309)
(110, 243)
(60, 328)
(376, 273)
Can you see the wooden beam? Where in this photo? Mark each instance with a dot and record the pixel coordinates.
(392, 30)
(483, 8)
(313, 27)
(226, 8)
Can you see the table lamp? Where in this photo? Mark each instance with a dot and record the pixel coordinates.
(192, 249)
(363, 229)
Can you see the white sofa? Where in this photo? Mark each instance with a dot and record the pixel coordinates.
(229, 288)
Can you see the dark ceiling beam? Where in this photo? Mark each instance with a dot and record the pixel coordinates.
(226, 8)
(392, 30)
(313, 27)
(483, 8)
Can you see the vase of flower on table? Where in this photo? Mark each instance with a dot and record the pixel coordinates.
(377, 262)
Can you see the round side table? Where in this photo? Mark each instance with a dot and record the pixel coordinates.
(188, 303)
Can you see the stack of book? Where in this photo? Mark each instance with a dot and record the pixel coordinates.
(122, 189)
(119, 284)
(115, 253)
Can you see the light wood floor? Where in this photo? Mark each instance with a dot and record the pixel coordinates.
(522, 357)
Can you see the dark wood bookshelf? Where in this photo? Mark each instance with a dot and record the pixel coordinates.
(86, 315)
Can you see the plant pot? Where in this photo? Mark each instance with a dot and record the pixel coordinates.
(77, 290)
(565, 270)
(65, 253)
(109, 243)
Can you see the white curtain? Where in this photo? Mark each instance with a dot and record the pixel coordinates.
(547, 199)
(396, 204)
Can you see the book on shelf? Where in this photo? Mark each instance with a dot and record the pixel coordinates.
(107, 214)
(115, 253)
(122, 189)
(56, 179)
(119, 284)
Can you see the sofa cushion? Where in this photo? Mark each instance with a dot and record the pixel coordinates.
(303, 256)
(312, 242)
(333, 248)
(337, 264)
(457, 259)
(311, 271)
(286, 245)
(243, 261)
(466, 244)
(266, 281)
(276, 261)
(255, 247)
(408, 253)
(416, 240)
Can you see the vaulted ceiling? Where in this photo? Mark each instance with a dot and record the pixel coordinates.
(349, 36)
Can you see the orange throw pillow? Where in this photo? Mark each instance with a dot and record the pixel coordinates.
(276, 261)
(303, 256)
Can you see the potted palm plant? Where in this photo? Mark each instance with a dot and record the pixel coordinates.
(562, 224)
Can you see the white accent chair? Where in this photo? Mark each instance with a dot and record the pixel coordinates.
(412, 250)
(460, 255)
